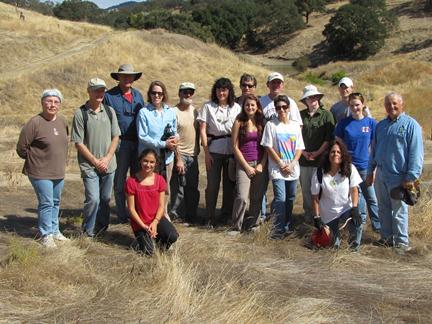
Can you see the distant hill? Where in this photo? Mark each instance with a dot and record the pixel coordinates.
(123, 5)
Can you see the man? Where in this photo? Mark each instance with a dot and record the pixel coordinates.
(248, 85)
(184, 183)
(275, 84)
(397, 155)
(340, 109)
(95, 132)
(126, 102)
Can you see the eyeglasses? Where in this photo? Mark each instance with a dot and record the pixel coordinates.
(188, 92)
(280, 107)
(246, 85)
(316, 97)
(156, 93)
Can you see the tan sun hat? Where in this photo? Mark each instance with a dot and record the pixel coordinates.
(96, 83)
(309, 91)
(126, 69)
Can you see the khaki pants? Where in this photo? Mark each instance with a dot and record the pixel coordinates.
(247, 189)
(306, 174)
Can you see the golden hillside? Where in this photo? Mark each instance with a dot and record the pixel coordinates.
(208, 276)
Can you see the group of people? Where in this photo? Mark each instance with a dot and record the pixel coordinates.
(148, 152)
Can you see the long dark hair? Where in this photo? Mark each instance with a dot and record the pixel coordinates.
(223, 83)
(258, 118)
(345, 167)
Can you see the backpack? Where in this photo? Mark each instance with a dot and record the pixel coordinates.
(85, 117)
(320, 177)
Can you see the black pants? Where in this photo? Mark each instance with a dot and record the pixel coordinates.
(166, 236)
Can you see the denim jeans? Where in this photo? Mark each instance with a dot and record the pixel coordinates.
(126, 156)
(368, 199)
(220, 165)
(48, 193)
(97, 190)
(355, 232)
(283, 203)
(393, 213)
(185, 197)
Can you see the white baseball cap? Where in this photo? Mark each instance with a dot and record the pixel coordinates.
(275, 76)
(346, 81)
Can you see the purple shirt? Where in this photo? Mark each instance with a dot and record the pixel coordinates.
(250, 147)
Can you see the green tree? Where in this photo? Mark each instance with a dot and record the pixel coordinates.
(78, 10)
(306, 7)
(355, 32)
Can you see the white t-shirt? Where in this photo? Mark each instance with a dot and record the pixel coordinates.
(285, 139)
(270, 111)
(219, 123)
(335, 197)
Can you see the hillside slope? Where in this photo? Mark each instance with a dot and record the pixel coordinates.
(208, 276)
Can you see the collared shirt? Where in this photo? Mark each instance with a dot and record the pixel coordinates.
(219, 122)
(270, 113)
(188, 131)
(126, 111)
(316, 130)
(151, 124)
(99, 134)
(397, 149)
(341, 110)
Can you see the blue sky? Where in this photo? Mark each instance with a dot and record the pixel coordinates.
(108, 3)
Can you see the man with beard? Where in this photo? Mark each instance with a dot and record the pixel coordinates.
(184, 183)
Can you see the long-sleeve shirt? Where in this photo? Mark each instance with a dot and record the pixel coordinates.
(150, 126)
(44, 145)
(397, 149)
(126, 111)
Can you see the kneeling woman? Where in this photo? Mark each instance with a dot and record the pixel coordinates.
(146, 204)
(334, 191)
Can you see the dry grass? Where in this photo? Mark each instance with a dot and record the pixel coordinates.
(208, 277)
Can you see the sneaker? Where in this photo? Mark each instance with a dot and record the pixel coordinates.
(48, 241)
(401, 249)
(60, 237)
(383, 243)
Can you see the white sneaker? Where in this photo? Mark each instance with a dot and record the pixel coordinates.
(60, 237)
(48, 241)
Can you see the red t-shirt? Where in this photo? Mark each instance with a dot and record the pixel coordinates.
(146, 198)
(128, 97)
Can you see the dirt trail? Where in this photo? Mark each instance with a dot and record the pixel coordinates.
(76, 49)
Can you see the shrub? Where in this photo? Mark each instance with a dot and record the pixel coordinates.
(355, 32)
(335, 77)
(301, 64)
(314, 79)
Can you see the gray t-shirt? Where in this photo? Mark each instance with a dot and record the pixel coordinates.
(341, 110)
(100, 131)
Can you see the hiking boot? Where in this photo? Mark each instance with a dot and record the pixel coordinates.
(383, 243)
(60, 237)
(48, 241)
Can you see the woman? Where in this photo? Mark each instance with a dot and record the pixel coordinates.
(43, 144)
(146, 204)
(283, 141)
(317, 131)
(157, 129)
(335, 194)
(357, 133)
(216, 120)
(251, 158)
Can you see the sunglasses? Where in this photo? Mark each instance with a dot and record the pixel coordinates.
(188, 92)
(249, 86)
(316, 97)
(280, 107)
(156, 93)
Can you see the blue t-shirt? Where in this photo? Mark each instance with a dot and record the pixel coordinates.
(357, 136)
